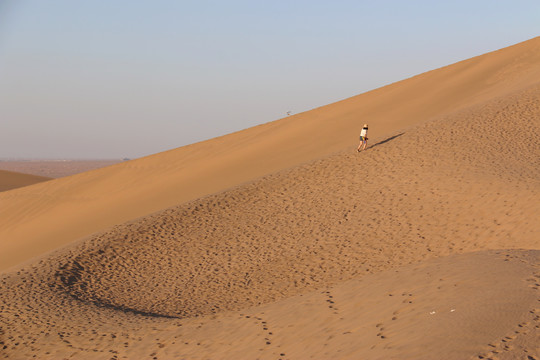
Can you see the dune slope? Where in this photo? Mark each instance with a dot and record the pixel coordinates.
(388, 253)
(12, 180)
(419, 195)
(46, 216)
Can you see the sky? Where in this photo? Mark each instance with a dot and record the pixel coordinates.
(112, 79)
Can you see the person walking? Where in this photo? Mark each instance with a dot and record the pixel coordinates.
(363, 138)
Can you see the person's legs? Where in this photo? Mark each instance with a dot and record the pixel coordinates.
(365, 145)
(362, 142)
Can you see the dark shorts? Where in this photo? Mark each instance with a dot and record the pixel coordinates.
(363, 138)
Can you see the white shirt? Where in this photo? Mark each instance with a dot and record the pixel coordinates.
(363, 132)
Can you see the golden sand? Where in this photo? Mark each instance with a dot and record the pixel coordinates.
(282, 242)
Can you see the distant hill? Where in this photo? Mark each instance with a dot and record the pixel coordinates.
(12, 180)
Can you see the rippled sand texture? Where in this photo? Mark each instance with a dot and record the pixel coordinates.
(425, 246)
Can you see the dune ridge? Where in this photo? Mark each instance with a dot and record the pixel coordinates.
(74, 207)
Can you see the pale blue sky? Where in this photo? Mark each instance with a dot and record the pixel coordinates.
(118, 78)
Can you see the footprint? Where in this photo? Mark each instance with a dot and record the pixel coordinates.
(330, 301)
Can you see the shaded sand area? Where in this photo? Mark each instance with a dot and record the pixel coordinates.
(425, 246)
(11, 180)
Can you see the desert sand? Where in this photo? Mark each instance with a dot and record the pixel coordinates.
(54, 168)
(11, 180)
(424, 246)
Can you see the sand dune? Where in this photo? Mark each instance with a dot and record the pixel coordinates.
(11, 180)
(39, 219)
(425, 246)
(329, 220)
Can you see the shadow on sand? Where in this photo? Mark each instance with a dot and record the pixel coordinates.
(385, 141)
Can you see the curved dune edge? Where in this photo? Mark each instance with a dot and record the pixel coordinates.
(10, 180)
(47, 216)
(455, 307)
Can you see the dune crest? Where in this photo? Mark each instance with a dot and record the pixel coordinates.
(47, 216)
